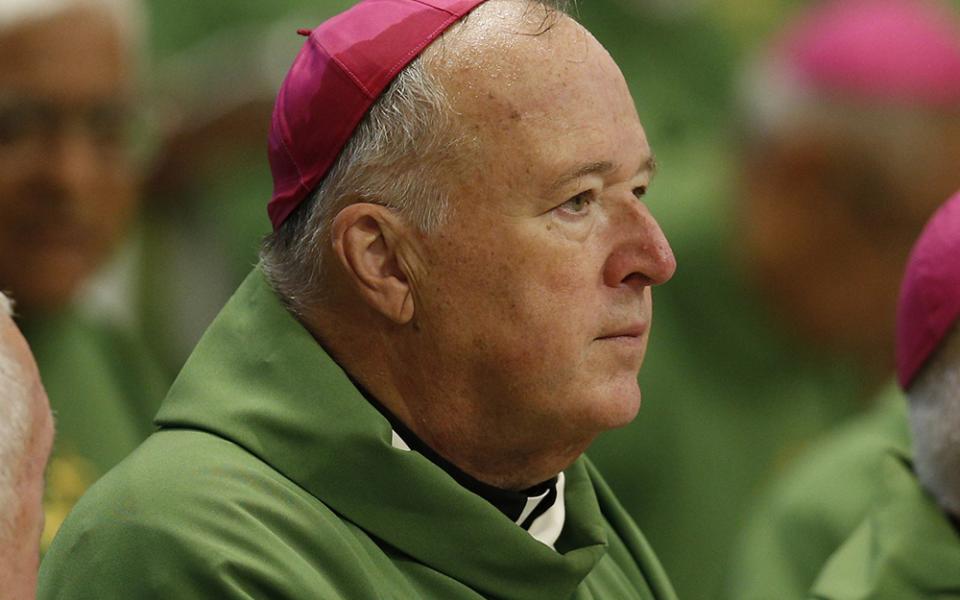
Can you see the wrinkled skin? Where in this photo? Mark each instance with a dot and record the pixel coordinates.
(66, 183)
(20, 547)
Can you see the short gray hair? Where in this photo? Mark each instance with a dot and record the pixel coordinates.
(398, 157)
(14, 424)
(935, 422)
(393, 158)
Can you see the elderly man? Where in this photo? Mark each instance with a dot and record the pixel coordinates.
(909, 547)
(454, 303)
(26, 435)
(67, 194)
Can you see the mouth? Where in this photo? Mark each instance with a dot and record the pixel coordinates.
(631, 333)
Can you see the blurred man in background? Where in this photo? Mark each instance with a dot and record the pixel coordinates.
(26, 434)
(855, 136)
(908, 548)
(68, 191)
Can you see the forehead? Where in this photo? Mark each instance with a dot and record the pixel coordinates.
(531, 94)
(75, 53)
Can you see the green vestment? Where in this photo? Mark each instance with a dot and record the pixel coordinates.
(906, 549)
(816, 505)
(104, 390)
(272, 477)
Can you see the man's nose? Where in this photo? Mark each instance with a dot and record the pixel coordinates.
(641, 254)
(74, 162)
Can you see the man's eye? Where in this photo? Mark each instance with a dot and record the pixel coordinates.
(578, 203)
(640, 191)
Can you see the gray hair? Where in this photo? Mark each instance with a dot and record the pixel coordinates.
(935, 422)
(397, 157)
(14, 425)
(392, 159)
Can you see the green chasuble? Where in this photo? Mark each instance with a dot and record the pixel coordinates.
(906, 549)
(104, 390)
(273, 477)
(815, 506)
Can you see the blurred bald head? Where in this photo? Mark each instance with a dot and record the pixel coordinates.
(26, 436)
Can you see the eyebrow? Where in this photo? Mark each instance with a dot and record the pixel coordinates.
(599, 168)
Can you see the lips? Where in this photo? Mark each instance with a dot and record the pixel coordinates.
(636, 330)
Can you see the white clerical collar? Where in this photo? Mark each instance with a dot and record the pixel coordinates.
(541, 512)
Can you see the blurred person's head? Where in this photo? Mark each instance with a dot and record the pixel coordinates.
(928, 353)
(67, 182)
(26, 435)
(851, 139)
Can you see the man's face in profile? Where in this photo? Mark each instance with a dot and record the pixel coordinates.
(536, 290)
(66, 185)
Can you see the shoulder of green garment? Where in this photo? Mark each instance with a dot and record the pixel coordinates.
(225, 529)
(906, 549)
(853, 451)
(815, 505)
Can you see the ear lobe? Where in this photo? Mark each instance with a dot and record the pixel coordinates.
(365, 238)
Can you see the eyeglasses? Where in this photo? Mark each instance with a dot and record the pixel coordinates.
(30, 126)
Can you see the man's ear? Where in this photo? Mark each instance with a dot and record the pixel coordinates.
(365, 239)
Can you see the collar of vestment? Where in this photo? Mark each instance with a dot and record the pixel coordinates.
(260, 380)
(906, 548)
(539, 509)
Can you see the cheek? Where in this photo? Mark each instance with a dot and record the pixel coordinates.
(525, 304)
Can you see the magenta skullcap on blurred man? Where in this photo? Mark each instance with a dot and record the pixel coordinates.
(907, 547)
(455, 302)
(930, 293)
(928, 354)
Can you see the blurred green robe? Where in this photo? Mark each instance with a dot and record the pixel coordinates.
(104, 389)
(815, 506)
(273, 477)
(907, 549)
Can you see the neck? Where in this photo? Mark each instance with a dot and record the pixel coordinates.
(495, 449)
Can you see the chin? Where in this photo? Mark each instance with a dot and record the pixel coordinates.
(618, 405)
